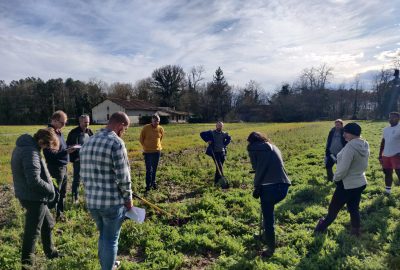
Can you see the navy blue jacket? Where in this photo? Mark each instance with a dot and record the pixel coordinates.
(329, 141)
(58, 158)
(208, 136)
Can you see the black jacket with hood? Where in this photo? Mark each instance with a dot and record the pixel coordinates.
(31, 178)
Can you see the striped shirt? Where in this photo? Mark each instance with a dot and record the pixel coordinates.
(105, 170)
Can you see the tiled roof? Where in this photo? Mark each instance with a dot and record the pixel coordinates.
(137, 104)
(134, 104)
(169, 110)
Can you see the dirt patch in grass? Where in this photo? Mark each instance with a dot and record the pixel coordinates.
(197, 263)
(6, 195)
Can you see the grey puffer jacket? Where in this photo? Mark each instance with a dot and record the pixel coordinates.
(266, 160)
(31, 178)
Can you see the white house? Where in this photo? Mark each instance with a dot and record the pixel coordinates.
(134, 108)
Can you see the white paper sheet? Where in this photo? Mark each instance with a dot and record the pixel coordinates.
(137, 214)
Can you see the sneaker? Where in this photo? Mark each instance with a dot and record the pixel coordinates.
(146, 190)
(268, 253)
(75, 201)
(60, 217)
(116, 265)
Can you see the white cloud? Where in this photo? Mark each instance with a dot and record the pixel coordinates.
(269, 42)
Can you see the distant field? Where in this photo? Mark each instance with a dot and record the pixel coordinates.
(219, 226)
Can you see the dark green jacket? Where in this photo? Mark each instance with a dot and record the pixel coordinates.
(31, 178)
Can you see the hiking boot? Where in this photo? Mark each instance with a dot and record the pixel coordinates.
(320, 228)
(54, 254)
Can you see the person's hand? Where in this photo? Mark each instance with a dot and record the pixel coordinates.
(380, 159)
(53, 200)
(128, 205)
(256, 192)
(71, 150)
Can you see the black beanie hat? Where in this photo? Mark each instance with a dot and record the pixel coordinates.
(352, 128)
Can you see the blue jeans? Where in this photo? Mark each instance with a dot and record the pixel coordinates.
(269, 196)
(109, 222)
(151, 161)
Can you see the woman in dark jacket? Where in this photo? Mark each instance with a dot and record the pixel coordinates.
(271, 183)
(34, 189)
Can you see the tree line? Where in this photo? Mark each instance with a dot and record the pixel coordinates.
(309, 97)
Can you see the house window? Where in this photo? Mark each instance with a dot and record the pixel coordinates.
(108, 116)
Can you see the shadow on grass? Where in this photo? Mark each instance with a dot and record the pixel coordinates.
(300, 198)
(393, 257)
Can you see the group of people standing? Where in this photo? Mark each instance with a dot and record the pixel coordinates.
(101, 161)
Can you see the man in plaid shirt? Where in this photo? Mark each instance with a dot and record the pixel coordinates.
(105, 173)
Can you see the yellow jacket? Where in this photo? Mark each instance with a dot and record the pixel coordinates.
(151, 137)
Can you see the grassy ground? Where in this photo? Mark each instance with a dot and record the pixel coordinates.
(217, 227)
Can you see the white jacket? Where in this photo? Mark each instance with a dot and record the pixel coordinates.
(352, 162)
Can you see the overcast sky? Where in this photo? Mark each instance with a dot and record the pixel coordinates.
(268, 41)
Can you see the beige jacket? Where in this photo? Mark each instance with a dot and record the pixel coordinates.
(352, 162)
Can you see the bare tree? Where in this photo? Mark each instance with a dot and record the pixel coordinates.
(121, 90)
(195, 76)
(143, 90)
(380, 87)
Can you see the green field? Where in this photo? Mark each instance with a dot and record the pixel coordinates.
(218, 227)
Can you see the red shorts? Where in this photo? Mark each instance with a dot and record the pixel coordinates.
(391, 162)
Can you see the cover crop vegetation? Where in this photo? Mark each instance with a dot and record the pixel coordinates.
(217, 227)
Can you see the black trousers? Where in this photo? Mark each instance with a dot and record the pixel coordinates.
(219, 159)
(329, 165)
(38, 221)
(77, 178)
(341, 196)
(60, 174)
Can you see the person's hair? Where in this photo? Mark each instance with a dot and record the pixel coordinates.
(118, 118)
(155, 116)
(83, 116)
(395, 113)
(339, 121)
(220, 122)
(57, 115)
(47, 137)
(257, 137)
